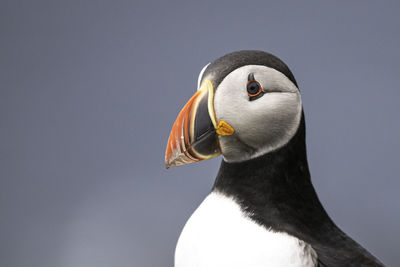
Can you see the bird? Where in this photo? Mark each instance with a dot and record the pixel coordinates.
(262, 209)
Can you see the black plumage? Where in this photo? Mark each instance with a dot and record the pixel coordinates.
(275, 189)
(221, 67)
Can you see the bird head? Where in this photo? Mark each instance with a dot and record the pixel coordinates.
(247, 104)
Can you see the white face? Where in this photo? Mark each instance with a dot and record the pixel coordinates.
(263, 124)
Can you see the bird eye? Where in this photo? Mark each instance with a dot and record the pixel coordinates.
(254, 89)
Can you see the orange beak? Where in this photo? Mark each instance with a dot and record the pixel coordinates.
(194, 134)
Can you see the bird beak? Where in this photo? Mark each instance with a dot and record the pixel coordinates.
(194, 135)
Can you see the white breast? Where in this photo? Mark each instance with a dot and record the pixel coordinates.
(218, 234)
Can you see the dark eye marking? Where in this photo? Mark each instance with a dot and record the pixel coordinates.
(254, 89)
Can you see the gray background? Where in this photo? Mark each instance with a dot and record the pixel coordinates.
(89, 91)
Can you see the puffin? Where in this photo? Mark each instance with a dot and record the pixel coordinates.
(262, 209)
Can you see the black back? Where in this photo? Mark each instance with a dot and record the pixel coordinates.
(276, 191)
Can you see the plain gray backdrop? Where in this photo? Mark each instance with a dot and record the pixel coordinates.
(89, 91)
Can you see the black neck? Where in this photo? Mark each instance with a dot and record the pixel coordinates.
(276, 191)
(276, 187)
